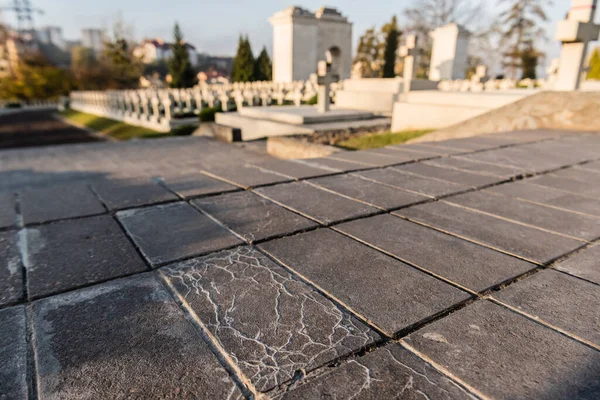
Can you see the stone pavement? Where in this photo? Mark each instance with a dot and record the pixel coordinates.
(186, 268)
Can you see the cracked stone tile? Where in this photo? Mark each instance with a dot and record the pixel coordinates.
(293, 169)
(323, 206)
(13, 354)
(464, 164)
(584, 264)
(593, 166)
(372, 159)
(387, 373)
(507, 356)
(67, 254)
(170, 232)
(123, 339)
(59, 202)
(564, 301)
(417, 153)
(450, 175)
(270, 323)
(117, 194)
(253, 217)
(574, 181)
(11, 271)
(383, 290)
(428, 148)
(246, 176)
(474, 143)
(196, 184)
(8, 214)
(334, 165)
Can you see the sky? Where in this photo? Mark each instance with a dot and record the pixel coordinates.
(214, 26)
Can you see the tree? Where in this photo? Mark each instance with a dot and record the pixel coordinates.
(263, 69)
(367, 54)
(180, 67)
(390, 52)
(594, 65)
(243, 63)
(529, 62)
(122, 67)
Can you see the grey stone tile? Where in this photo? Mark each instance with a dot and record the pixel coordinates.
(428, 148)
(552, 219)
(451, 175)
(251, 216)
(68, 254)
(372, 159)
(323, 206)
(530, 243)
(388, 373)
(578, 174)
(13, 354)
(11, 271)
(8, 214)
(270, 323)
(196, 184)
(420, 152)
(368, 191)
(564, 301)
(59, 202)
(470, 265)
(573, 182)
(418, 184)
(246, 176)
(474, 143)
(593, 166)
(464, 164)
(526, 190)
(292, 169)
(506, 356)
(383, 290)
(585, 264)
(170, 232)
(118, 194)
(131, 341)
(334, 164)
(402, 155)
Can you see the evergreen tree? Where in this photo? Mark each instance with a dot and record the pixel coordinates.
(391, 48)
(180, 67)
(594, 71)
(529, 62)
(263, 69)
(243, 63)
(124, 70)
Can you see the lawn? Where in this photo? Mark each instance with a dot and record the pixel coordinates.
(116, 129)
(376, 140)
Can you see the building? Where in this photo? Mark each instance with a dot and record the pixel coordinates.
(93, 38)
(301, 39)
(151, 51)
(52, 35)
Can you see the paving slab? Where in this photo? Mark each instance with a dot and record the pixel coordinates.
(428, 148)
(584, 264)
(170, 232)
(131, 341)
(253, 217)
(530, 243)
(387, 292)
(8, 214)
(388, 373)
(564, 301)
(67, 254)
(420, 153)
(450, 175)
(195, 184)
(464, 164)
(246, 176)
(370, 192)
(574, 183)
(593, 166)
(507, 356)
(372, 159)
(474, 143)
(13, 354)
(334, 164)
(11, 270)
(59, 202)
(272, 324)
(526, 190)
(473, 266)
(321, 205)
(418, 184)
(549, 218)
(402, 154)
(292, 169)
(118, 194)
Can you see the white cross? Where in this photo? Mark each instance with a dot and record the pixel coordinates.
(410, 53)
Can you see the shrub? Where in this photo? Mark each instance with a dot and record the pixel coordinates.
(185, 130)
(208, 114)
(13, 105)
(313, 101)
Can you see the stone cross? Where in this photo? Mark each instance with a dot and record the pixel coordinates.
(410, 54)
(325, 79)
(575, 33)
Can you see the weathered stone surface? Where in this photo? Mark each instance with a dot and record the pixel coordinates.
(246, 176)
(118, 194)
(369, 192)
(131, 341)
(429, 148)
(372, 159)
(196, 184)
(8, 215)
(170, 232)
(574, 181)
(388, 373)
(552, 219)
(475, 143)
(585, 264)
(251, 216)
(447, 174)
(271, 324)
(564, 301)
(334, 164)
(418, 184)
(593, 166)
(323, 206)
(403, 154)
(505, 355)
(379, 288)
(59, 202)
(526, 190)
(11, 271)
(13, 354)
(67, 254)
(464, 164)
(470, 265)
(422, 152)
(293, 170)
(530, 243)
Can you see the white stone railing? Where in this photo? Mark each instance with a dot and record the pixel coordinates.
(491, 85)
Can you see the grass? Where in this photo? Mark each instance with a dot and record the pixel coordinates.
(377, 140)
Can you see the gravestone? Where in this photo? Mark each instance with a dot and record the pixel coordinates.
(449, 53)
(410, 53)
(326, 78)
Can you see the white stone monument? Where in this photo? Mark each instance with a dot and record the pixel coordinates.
(449, 53)
(575, 33)
(301, 39)
(410, 53)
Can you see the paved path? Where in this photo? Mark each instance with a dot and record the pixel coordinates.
(38, 128)
(186, 268)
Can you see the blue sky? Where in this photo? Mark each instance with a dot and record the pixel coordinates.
(214, 26)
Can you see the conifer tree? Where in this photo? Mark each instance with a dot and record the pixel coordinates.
(594, 71)
(180, 66)
(243, 63)
(391, 48)
(263, 69)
